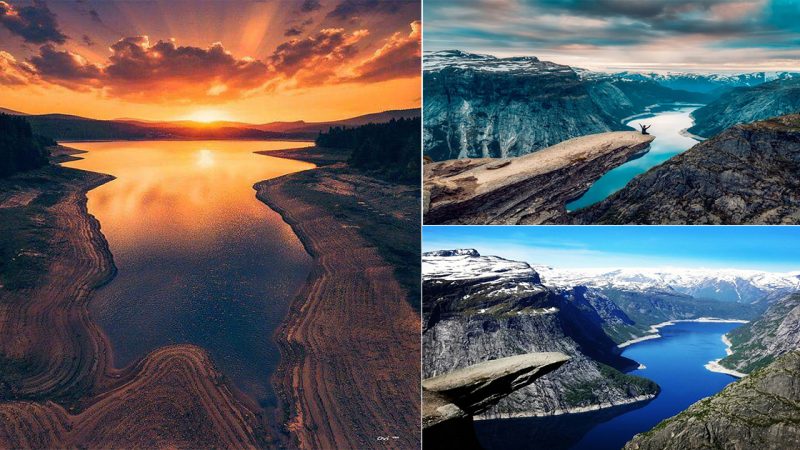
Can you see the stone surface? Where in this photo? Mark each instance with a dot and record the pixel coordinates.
(450, 400)
(530, 189)
(479, 106)
(775, 333)
(761, 411)
(478, 387)
(479, 308)
(745, 175)
(746, 105)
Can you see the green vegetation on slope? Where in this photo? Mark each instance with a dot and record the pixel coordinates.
(757, 344)
(20, 149)
(390, 150)
(591, 393)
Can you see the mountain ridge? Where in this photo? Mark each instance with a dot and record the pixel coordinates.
(72, 127)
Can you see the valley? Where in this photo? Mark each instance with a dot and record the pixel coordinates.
(480, 108)
(639, 340)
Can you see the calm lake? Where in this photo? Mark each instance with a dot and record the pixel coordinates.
(200, 260)
(676, 362)
(666, 127)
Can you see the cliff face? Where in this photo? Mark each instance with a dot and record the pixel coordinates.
(479, 308)
(479, 106)
(758, 343)
(530, 189)
(748, 104)
(745, 175)
(758, 412)
(449, 401)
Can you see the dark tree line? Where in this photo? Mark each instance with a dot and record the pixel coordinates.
(20, 149)
(391, 149)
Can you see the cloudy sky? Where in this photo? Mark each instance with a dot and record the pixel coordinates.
(660, 35)
(755, 248)
(254, 61)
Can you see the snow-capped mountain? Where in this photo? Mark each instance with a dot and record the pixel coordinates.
(434, 61)
(745, 286)
(685, 81)
(468, 264)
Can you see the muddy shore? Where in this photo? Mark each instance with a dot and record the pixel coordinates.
(350, 349)
(58, 387)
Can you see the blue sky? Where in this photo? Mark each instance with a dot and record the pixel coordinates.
(775, 248)
(640, 35)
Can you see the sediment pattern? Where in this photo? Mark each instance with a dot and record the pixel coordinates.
(58, 386)
(349, 372)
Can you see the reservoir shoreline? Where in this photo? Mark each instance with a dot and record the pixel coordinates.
(654, 334)
(76, 398)
(349, 343)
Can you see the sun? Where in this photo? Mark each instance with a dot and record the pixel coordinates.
(207, 116)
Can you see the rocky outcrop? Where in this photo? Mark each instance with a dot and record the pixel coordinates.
(745, 175)
(479, 106)
(762, 411)
(450, 400)
(758, 343)
(478, 308)
(530, 189)
(746, 105)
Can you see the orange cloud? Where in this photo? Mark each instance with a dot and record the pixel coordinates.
(35, 24)
(399, 57)
(137, 69)
(13, 72)
(140, 71)
(316, 59)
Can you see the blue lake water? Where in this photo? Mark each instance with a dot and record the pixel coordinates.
(666, 127)
(200, 259)
(676, 362)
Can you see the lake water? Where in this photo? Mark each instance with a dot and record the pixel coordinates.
(200, 260)
(666, 127)
(676, 362)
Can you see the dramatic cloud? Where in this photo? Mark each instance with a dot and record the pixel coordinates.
(35, 24)
(137, 69)
(13, 72)
(669, 33)
(65, 68)
(293, 31)
(350, 9)
(310, 5)
(399, 57)
(318, 58)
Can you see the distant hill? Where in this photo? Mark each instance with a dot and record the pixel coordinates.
(11, 112)
(70, 127)
(316, 127)
(746, 105)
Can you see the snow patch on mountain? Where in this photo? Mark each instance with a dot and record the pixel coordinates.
(720, 284)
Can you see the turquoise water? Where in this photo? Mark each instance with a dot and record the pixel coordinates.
(676, 362)
(666, 127)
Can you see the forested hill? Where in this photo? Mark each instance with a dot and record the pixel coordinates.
(20, 149)
(389, 150)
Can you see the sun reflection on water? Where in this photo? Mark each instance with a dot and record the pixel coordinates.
(205, 158)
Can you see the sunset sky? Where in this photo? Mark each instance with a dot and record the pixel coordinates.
(615, 35)
(253, 61)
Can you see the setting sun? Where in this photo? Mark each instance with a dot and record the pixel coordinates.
(208, 116)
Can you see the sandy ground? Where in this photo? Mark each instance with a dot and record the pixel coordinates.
(350, 345)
